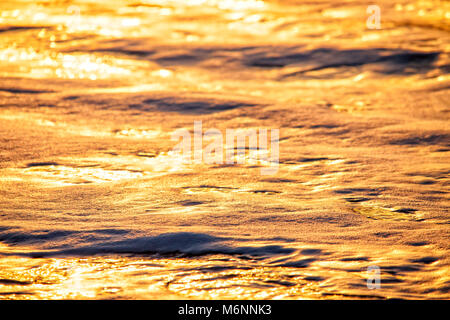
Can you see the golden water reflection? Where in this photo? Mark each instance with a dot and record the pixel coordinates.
(91, 92)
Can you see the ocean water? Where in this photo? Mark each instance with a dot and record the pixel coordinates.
(94, 203)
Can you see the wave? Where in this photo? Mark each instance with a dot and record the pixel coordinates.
(185, 243)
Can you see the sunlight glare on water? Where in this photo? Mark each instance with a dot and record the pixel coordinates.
(95, 203)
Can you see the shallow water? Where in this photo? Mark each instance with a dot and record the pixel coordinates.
(94, 203)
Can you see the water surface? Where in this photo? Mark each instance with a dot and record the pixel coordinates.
(94, 204)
